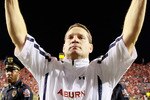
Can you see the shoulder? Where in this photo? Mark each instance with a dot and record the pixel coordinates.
(27, 92)
(6, 87)
(23, 87)
(26, 86)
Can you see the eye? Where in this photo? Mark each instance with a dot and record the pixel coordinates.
(70, 37)
(9, 71)
(81, 37)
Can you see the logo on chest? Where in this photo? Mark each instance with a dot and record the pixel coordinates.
(14, 93)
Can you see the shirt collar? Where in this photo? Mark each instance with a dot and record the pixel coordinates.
(77, 62)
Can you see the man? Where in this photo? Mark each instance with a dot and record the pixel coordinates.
(16, 89)
(119, 93)
(76, 77)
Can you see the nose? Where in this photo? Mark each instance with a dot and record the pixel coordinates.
(75, 38)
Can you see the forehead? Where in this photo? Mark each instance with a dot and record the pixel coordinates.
(11, 70)
(76, 30)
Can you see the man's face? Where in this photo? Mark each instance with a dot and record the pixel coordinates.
(12, 75)
(77, 44)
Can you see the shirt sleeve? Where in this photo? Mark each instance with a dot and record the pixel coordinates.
(116, 62)
(35, 59)
(27, 92)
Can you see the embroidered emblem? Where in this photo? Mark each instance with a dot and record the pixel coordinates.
(81, 77)
(26, 93)
(10, 59)
(14, 92)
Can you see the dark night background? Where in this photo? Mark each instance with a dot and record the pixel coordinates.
(48, 21)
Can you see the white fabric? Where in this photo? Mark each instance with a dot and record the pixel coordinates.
(66, 81)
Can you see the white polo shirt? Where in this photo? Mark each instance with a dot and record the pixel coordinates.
(79, 79)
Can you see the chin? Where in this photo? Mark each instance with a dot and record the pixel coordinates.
(74, 53)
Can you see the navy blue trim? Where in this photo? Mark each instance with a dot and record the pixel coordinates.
(30, 39)
(38, 47)
(110, 46)
(45, 86)
(99, 87)
(114, 43)
(103, 57)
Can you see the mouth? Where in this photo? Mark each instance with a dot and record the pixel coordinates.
(74, 46)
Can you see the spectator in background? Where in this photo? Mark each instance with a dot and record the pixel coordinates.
(16, 89)
(120, 93)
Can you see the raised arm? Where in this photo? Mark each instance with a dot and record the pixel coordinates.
(15, 23)
(133, 23)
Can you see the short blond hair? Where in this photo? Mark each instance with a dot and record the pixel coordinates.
(84, 27)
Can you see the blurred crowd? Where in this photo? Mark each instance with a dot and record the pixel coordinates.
(137, 81)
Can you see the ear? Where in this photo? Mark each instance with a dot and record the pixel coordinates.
(63, 49)
(91, 48)
(18, 72)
